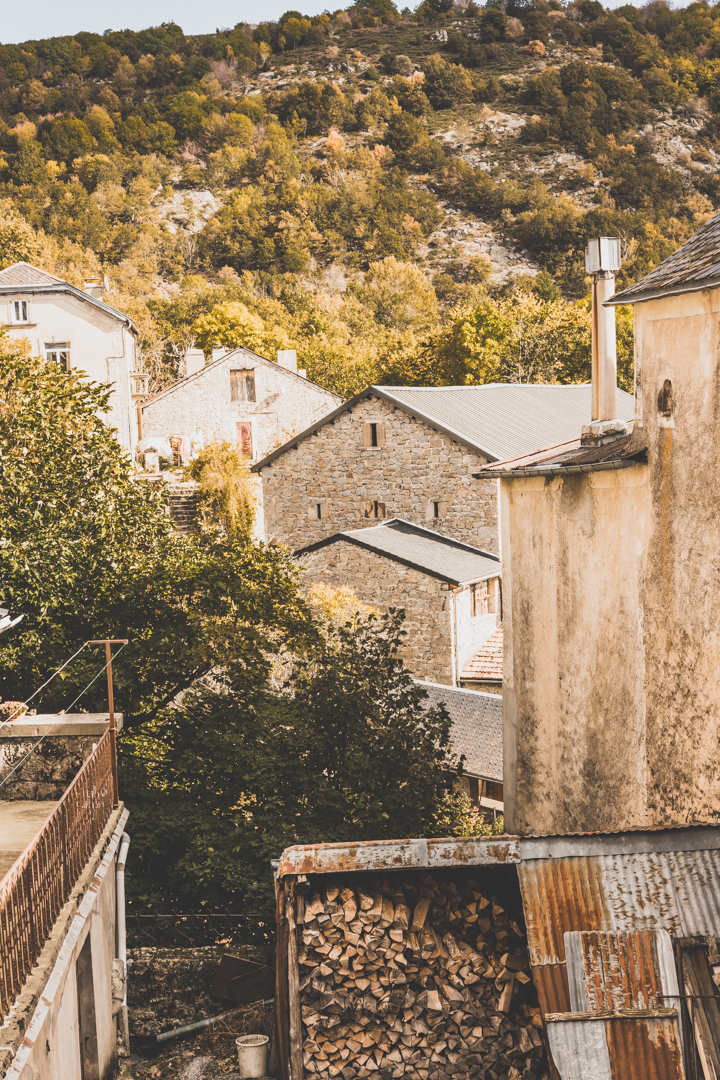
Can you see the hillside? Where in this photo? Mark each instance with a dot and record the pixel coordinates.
(401, 197)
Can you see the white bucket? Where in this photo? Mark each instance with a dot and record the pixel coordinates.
(252, 1055)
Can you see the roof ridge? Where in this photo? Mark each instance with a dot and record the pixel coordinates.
(16, 270)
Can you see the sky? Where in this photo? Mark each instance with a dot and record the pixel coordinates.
(48, 18)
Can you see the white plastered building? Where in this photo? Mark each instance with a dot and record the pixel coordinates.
(76, 329)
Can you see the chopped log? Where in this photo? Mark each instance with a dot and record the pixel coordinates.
(420, 914)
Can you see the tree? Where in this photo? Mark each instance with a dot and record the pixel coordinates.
(398, 294)
(344, 750)
(446, 84)
(88, 552)
(225, 491)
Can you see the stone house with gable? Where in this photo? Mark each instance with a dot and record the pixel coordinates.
(239, 397)
(449, 590)
(411, 452)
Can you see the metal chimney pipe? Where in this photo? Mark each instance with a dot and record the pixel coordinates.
(602, 260)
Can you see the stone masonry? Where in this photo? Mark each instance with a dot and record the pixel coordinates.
(413, 468)
(383, 583)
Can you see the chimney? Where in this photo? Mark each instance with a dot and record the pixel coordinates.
(302, 373)
(602, 260)
(287, 358)
(93, 287)
(218, 351)
(194, 361)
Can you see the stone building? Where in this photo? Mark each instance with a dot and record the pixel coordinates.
(611, 580)
(75, 329)
(239, 397)
(449, 590)
(411, 452)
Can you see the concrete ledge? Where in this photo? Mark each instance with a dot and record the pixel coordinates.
(13, 1030)
(59, 724)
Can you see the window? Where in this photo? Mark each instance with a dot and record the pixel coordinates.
(665, 399)
(479, 599)
(242, 386)
(20, 311)
(375, 509)
(317, 510)
(244, 438)
(436, 509)
(58, 352)
(373, 435)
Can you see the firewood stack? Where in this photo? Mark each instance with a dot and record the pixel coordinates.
(416, 977)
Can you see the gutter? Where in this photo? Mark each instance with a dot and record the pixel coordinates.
(557, 470)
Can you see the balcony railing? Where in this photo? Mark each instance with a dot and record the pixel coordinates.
(35, 890)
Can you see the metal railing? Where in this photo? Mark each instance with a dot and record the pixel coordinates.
(34, 891)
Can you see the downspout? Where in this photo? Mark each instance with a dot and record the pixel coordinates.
(121, 934)
(454, 636)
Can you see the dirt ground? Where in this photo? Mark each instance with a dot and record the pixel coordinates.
(211, 1055)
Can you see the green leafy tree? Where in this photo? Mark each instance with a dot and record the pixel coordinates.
(225, 489)
(345, 751)
(86, 552)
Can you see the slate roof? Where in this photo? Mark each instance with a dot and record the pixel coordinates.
(570, 457)
(498, 420)
(419, 548)
(29, 279)
(241, 353)
(487, 663)
(476, 727)
(695, 265)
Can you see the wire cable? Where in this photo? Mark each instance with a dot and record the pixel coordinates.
(24, 704)
(52, 728)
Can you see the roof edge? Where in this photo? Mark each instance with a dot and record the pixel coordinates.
(626, 297)
(65, 286)
(380, 392)
(558, 470)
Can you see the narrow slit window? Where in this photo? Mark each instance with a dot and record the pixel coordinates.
(436, 509)
(242, 386)
(20, 311)
(373, 437)
(244, 438)
(318, 511)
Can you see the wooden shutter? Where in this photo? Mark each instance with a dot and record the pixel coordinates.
(244, 437)
(242, 385)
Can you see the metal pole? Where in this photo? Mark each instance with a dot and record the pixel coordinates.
(107, 642)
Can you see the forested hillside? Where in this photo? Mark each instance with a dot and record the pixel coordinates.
(399, 196)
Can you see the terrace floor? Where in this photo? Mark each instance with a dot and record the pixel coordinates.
(20, 822)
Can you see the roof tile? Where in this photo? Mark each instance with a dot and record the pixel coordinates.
(476, 727)
(23, 273)
(487, 663)
(695, 265)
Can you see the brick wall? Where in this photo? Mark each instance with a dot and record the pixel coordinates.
(412, 468)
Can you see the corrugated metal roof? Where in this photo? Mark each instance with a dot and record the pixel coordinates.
(695, 265)
(487, 663)
(506, 419)
(607, 972)
(620, 1046)
(476, 727)
(419, 548)
(497, 421)
(399, 855)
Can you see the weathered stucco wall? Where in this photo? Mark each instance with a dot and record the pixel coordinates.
(472, 631)
(427, 647)
(413, 468)
(285, 404)
(678, 339)
(573, 686)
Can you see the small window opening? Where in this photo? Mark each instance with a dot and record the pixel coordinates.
(376, 509)
(479, 599)
(58, 352)
(20, 310)
(665, 399)
(242, 386)
(436, 509)
(244, 438)
(373, 439)
(318, 510)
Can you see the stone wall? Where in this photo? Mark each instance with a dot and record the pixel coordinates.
(426, 651)
(285, 404)
(413, 468)
(49, 769)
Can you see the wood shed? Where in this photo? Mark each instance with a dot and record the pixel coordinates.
(405, 959)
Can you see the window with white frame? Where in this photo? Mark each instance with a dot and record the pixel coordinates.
(19, 311)
(58, 352)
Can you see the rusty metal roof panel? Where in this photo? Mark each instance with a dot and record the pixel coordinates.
(567, 894)
(608, 972)
(696, 881)
(551, 985)
(631, 1045)
(399, 855)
